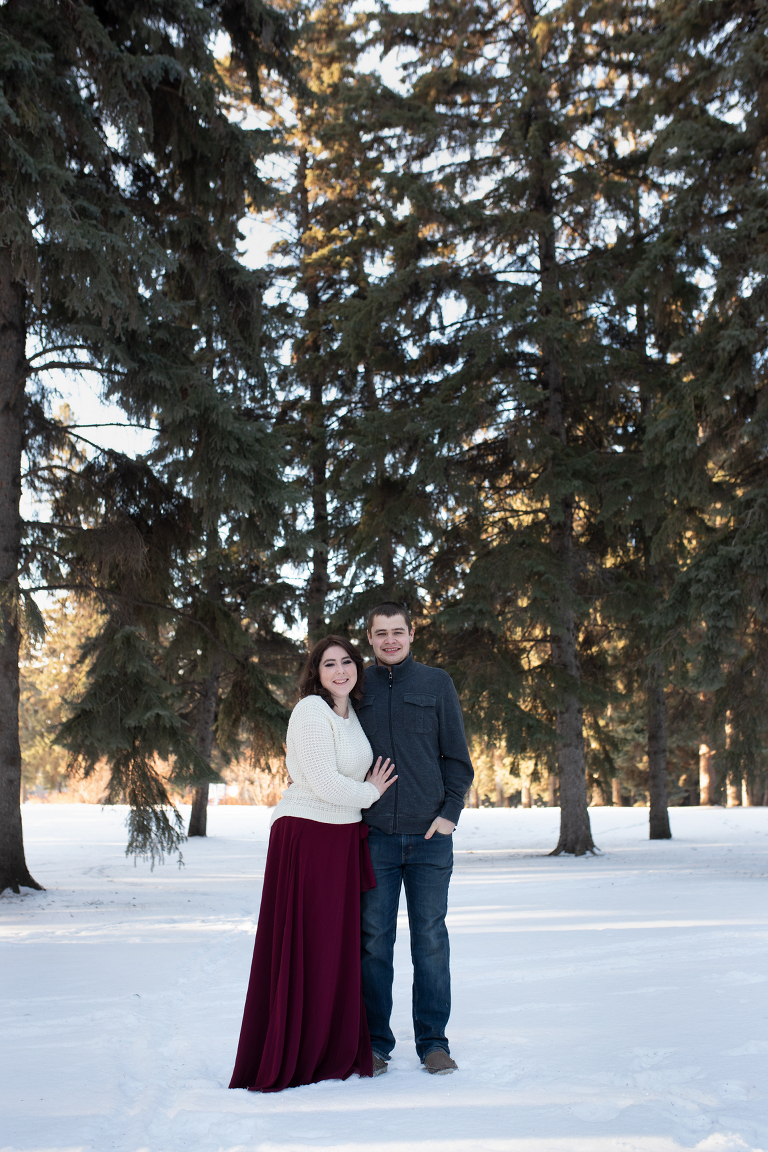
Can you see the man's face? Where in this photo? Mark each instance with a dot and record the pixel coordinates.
(390, 639)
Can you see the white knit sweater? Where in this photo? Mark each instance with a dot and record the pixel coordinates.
(327, 759)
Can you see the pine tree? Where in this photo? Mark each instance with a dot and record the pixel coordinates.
(498, 279)
(564, 470)
(708, 82)
(123, 180)
(337, 202)
(521, 184)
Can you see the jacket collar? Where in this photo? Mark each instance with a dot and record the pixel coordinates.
(399, 671)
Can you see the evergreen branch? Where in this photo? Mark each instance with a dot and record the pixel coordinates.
(41, 468)
(58, 348)
(112, 424)
(77, 366)
(98, 447)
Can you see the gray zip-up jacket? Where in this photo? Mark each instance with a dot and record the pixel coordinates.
(411, 714)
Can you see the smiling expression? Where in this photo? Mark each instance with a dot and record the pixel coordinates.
(390, 639)
(338, 674)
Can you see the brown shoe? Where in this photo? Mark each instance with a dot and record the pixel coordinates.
(439, 1063)
(379, 1066)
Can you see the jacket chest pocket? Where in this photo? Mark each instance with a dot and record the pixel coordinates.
(419, 709)
(366, 714)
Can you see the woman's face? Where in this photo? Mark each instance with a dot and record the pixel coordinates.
(338, 674)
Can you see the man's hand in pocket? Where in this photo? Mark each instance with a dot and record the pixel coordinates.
(444, 827)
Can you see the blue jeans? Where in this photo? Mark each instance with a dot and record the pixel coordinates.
(424, 867)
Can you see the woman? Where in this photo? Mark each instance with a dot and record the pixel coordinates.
(304, 1016)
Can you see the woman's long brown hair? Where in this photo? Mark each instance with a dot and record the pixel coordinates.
(309, 681)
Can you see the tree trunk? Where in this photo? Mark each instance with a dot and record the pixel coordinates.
(318, 581)
(13, 364)
(552, 790)
(498, 768)
(525, 799)
(317, 589)
(733, 787)
(387, 564)
(706, 775)
(575, 830)
(598, 797)
(198, 819)
(657, 757)
(386, 550)
(658, 814)
(746, 793)
(616, 792)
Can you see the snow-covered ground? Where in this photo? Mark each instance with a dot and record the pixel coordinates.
(609, 1003)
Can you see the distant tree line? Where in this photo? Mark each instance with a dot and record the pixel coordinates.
(505, 363)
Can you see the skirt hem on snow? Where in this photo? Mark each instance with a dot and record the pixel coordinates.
(304, 1017)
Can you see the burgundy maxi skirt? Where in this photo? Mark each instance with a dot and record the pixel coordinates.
(304, 1017)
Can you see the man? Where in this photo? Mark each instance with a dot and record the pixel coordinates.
(411, 714)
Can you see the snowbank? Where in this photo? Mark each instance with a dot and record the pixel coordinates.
(600, 1004)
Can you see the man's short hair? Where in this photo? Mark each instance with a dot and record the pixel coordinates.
(390, 609)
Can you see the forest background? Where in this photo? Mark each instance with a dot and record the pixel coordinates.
(502, 360)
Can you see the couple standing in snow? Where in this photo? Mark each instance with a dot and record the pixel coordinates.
(347, 826)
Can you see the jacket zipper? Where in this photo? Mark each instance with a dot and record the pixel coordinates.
(392, 746)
